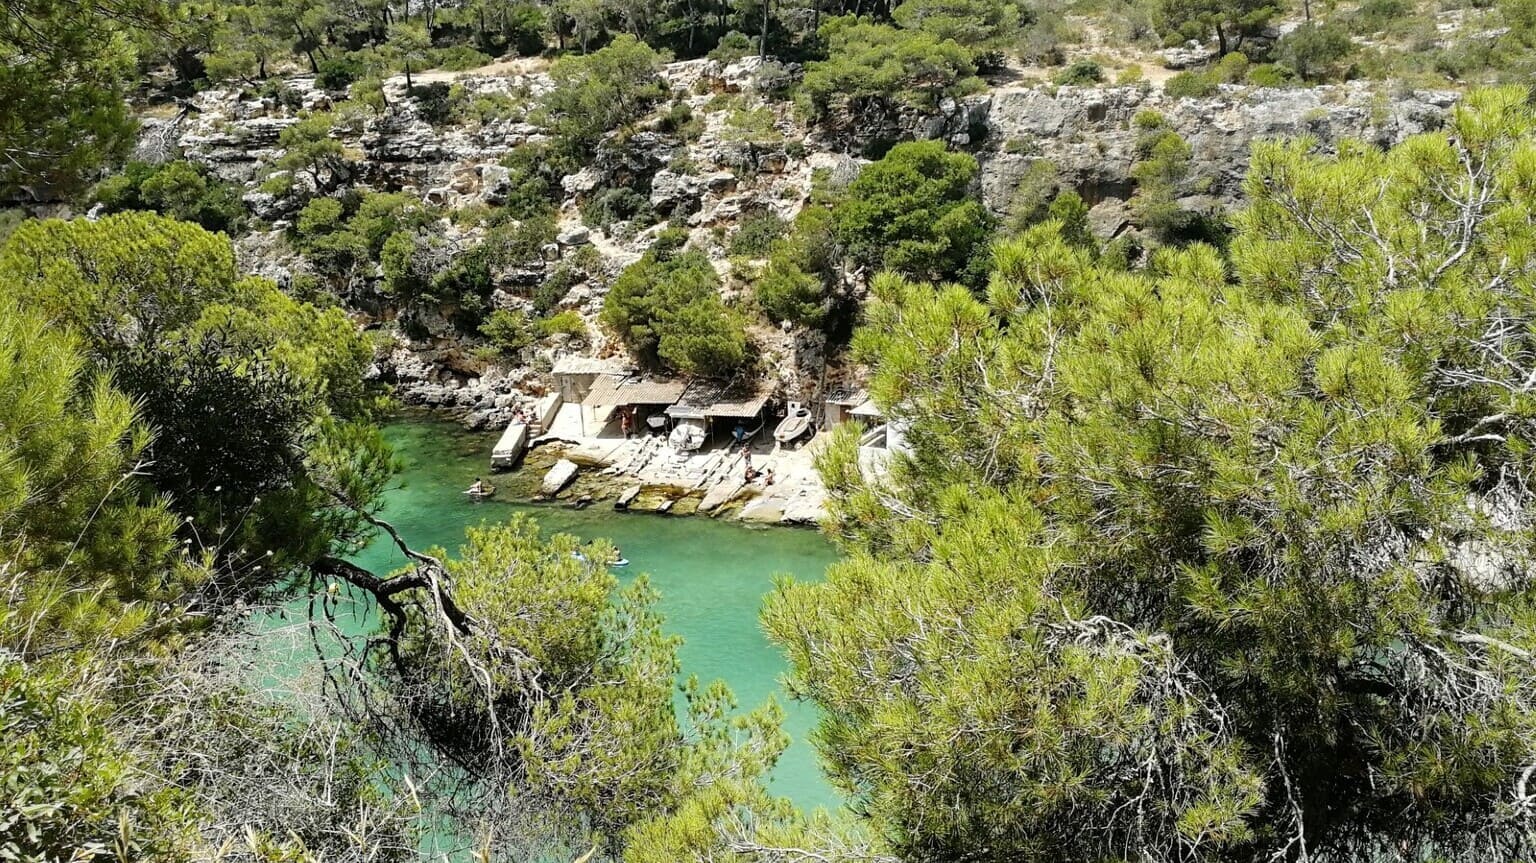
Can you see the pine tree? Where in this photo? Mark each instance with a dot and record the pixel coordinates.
(1216, 561)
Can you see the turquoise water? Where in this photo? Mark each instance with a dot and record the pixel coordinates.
(711, 575)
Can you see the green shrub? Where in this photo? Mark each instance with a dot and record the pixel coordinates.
(799, 283)
(556, 286)
(1315, 51)
(1270, 75)
(601, 91)
(734, 45)
(280, 92)
(788, 293)
(459, 58)
(534, 181)
(1145, 121)
(914, 211)
(756, 234)
(1161, 172)
(1373, 16)
(1231, 69)
(567, 322)
(321, 216)
(338, 236)
(508, 331)
(615, 205)
(1032, 195)
(469, 280)
(523, 30)
(871, 61)
(679, 120)
(178, 189)
(1071, 212)
(773, 79)
(379, 214)
(337, 73)
(1081, 73)
(1042, 41)
(1121, 253)
(433, 102)
(667, 308)
(478, 109)
(1191, 85)
(405, 277)
(512, 243)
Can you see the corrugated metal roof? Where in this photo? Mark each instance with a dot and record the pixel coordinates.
(577, 365)
(714, 399)
(847, 396)
(612, 390)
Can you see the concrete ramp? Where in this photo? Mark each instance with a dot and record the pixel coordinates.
(510, 447)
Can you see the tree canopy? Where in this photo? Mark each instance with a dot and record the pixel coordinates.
(253, 398)
(1230, 21)
(64, 69)
(914, 212)
(596, 93)
(1216, 561)
(876, 65)
(667, 308)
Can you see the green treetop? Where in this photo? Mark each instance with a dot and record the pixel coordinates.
(667, 308)
(64, 70)
(914, 211)
(251, 396)
(872, 66)
(601, 91)
(1230, 21)
(980, 25)
(1222, 562)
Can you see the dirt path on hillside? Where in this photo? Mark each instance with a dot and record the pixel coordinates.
(1096, 46)
(501, 68)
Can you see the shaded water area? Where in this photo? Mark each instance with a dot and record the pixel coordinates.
(711, 575)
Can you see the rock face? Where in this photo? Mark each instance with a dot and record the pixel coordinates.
(1089, 132)
(710, 180)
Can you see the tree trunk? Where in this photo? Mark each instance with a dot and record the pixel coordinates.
(762, 39)
(1221, 40)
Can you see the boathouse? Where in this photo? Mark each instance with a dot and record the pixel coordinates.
(729, 403)
(645, 398)
(574, 376)
(849, 405)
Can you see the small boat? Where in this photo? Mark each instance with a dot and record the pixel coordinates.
(485, 493)
(795, 424)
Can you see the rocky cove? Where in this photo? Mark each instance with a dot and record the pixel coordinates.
(710, 182)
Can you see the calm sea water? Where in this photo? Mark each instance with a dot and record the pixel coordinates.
(712, 575)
